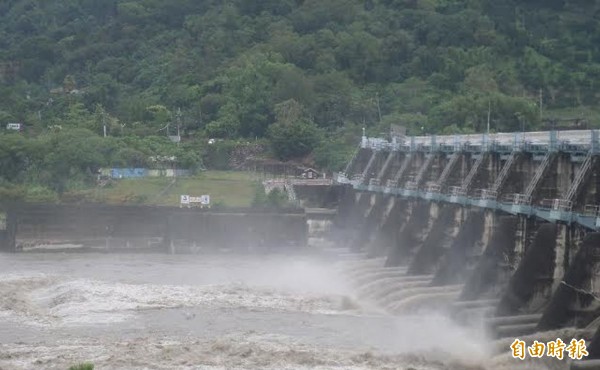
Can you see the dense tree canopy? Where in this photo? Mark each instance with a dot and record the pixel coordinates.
(435, 66)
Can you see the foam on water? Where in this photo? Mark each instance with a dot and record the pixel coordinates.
(76, 301)
(252, 351)
(331, 327)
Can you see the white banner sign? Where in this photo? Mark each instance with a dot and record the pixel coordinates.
(203, 200)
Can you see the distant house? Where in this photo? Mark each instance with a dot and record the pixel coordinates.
(310, 173)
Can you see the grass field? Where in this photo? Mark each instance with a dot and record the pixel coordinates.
(233, 189)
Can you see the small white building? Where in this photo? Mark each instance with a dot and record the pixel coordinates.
(15, 126)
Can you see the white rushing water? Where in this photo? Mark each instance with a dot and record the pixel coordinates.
(298, 311)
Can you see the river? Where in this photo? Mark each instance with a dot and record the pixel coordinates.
(227, 310)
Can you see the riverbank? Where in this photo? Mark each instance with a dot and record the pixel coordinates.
(226, 189)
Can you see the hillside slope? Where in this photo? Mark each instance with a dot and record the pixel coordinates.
(297, 76)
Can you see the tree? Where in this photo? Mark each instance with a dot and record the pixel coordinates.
(294, 140)
(239, 69)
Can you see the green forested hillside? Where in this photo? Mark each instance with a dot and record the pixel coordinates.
(302, 72)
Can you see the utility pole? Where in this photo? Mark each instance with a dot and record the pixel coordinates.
(488, 117)
(178, 125)
(378, 106)
(521, 121)
(104, 122)
(541, 103)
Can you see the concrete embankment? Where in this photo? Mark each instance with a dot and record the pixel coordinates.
(145, 228)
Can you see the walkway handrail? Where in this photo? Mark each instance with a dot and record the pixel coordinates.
(424, 169)
(518, 199)
(405, 164)
(457, 191)
(577, 143)
(556, 205)
(466, 185)
(579, 178)
(537, 176)
(448, 169)
(315, 182)
(592, 210)
(386, 164)
(367, 169)
(391, 184)
(517, 140)
(505, 171)
(411, 185)
(485, 194)
(433, 188)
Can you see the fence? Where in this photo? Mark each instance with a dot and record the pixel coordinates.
(132, 173)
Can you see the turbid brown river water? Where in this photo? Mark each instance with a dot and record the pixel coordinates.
(222, 311)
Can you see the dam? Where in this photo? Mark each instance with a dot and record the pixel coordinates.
(426, 253)
(499, 227)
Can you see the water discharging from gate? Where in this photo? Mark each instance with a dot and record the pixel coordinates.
(309, 310)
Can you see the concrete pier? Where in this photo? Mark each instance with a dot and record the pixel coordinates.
(434, 246)
(453, 267)
(409, 238)
(531, 284)
(575, 301)
(488, 269)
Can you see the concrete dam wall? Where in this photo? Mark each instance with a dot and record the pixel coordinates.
(148, 227)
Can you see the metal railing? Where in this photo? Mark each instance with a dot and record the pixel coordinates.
(314, 182)
(503, 175)
(539, 173)
(562, 205)
(551, 139)
(591, 210)
(448, 169)
(433, 188)
(579, 178)
(485, 194)
(424, 169)
(365, 173)
(519, 199)
(471, 175)
(556, 205)
(376, 144)
(405, 164)
(411, 185)
(386, 164)
(342, 178)
(374, 182)
(357, 179)
(457, 191)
